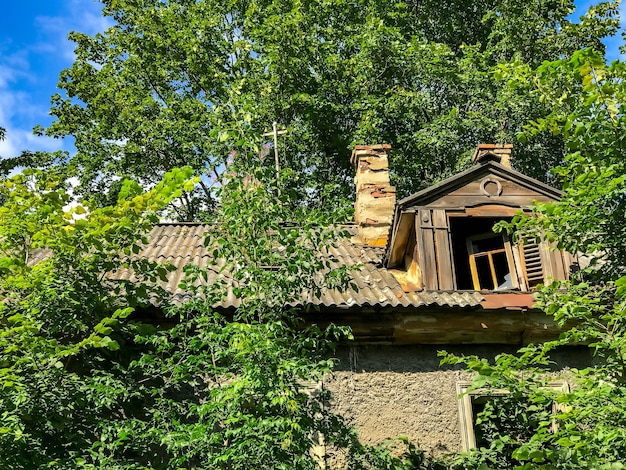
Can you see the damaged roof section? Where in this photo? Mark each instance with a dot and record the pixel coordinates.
(182, 244)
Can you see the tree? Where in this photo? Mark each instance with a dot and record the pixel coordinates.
(168, 84)
(237, 390)
(181, 82)
(62, 318)
(85, 385)
(589, 428)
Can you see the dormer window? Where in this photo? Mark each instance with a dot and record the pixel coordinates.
(442, 237)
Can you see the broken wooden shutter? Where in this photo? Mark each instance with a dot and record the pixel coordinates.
(532, 264)
(556, 263)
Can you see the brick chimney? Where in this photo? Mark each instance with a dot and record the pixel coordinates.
(375, 197)
(500, 153)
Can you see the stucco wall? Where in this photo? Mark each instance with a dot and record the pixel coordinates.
(391, 391)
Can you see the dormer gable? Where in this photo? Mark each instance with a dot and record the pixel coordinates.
(442, 237)
(474, 186)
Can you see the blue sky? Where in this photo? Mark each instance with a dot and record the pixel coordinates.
(33, 50)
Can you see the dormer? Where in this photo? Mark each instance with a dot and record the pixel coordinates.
(442, 238)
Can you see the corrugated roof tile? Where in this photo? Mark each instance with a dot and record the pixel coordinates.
(182, 244)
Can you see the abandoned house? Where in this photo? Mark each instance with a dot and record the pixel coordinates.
(432, 275)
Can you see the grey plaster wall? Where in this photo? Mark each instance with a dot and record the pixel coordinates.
(391, 391)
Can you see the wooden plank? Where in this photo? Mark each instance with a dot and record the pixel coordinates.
(568, 260)
(452, 260)
(518, 267)
(404, 231)
(443, 253)
(426, 243)
(473, 269)
(510, 261)
(559, 268)
(492, 268)
(548, 266)
(492, 210)
(509, 188)
(476, 200)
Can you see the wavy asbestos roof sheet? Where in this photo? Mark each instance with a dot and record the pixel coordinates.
(182, 244)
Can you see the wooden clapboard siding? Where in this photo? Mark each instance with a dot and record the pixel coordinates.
(478, 200)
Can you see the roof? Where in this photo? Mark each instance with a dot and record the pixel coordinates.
(182, 244)
(378, 310)
(460, 179)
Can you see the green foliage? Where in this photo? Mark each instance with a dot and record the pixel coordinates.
(179, 83)
(388, 457)
(63, 319)
(585, 427)
(172, 84)
(589, 99)
(240, 389)
(84, 385)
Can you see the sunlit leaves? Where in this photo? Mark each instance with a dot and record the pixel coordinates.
(586, 427)
(172, 84)
(62, 316)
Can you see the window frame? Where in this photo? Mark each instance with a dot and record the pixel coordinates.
(467, 420)
(506, 249)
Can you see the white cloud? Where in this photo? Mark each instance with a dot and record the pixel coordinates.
(13, 67)
(22, 84)
(84, 16)
(8, 147)
(18, 107)
(18, 140)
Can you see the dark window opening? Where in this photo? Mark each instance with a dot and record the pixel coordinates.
(502, 271)
(480, 256)
(495, 416)
(480, 434)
